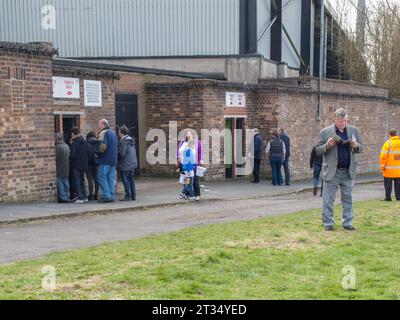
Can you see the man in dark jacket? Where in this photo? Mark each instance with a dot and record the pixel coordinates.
(286, 140)
(257, 155)
(316, 165)
(79, 163)
(62, 167)
(107, 157)
(127, 163)
(276, 151)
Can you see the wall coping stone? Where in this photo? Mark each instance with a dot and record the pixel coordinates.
(63, 70)
(34, 48)
(304, 86)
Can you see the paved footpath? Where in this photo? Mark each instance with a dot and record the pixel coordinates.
(36, 239)
(152, 193)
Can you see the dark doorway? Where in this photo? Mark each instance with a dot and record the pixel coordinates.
(68, 124)
(64, 124)
(127, 113)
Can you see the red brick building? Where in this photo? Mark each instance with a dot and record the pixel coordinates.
(30, 115)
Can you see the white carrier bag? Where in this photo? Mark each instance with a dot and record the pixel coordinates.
(182, 179)
(200, 171)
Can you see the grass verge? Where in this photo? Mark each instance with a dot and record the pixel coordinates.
(284, 257)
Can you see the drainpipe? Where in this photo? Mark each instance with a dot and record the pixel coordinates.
(321, 57)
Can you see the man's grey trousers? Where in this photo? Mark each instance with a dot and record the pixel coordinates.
(343, 180)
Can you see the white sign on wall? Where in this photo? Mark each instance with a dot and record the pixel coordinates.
(65, 87)
(235, 99)
(92, 93)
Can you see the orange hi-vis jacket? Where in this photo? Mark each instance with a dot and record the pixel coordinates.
(390, 158)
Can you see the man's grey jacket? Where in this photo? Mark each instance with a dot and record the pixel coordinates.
(330, 162)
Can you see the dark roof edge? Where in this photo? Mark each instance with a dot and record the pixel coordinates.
(394, 101)
(35, 48)
(122, 68)
(201, 56)
(75, 71)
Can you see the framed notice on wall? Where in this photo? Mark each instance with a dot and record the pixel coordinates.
(235, 99)
(92, 93)
(65, 87)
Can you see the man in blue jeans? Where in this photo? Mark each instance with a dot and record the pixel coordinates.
(276, 151)
(106, 158)
(127, 163)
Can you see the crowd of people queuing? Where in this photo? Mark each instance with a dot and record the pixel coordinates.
(96, 158)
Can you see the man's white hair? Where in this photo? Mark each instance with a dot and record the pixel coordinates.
(341, 113)
(105, 122)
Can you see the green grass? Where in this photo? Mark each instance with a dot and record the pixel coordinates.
(285, 257)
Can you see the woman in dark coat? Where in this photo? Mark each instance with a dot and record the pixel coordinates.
(91, 172)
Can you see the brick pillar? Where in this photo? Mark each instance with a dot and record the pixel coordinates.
(27, 150)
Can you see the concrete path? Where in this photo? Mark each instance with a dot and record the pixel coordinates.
(152, 193)
(33, 240)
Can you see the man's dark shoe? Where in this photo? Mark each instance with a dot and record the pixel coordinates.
(104, 200)
(315, 191)
(125, 199)
(350, 228)
(329, 229)
(63, 201)
(90, 198)
(386, 199)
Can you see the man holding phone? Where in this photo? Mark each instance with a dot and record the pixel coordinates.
(339, 144)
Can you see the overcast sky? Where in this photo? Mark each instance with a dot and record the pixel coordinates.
(352, 11)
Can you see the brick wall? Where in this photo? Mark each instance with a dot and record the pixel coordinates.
(89, 116)
(184, 106)
(27, 157)
(192, 105)
(369, 109)
(134, 83)
(198, 104)
(272, 104)
(27, 108)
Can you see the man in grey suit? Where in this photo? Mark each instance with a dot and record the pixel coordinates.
(339, 144)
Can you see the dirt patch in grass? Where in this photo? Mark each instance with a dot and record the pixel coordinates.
(84, 284)
(137, 264)
(295, 240)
